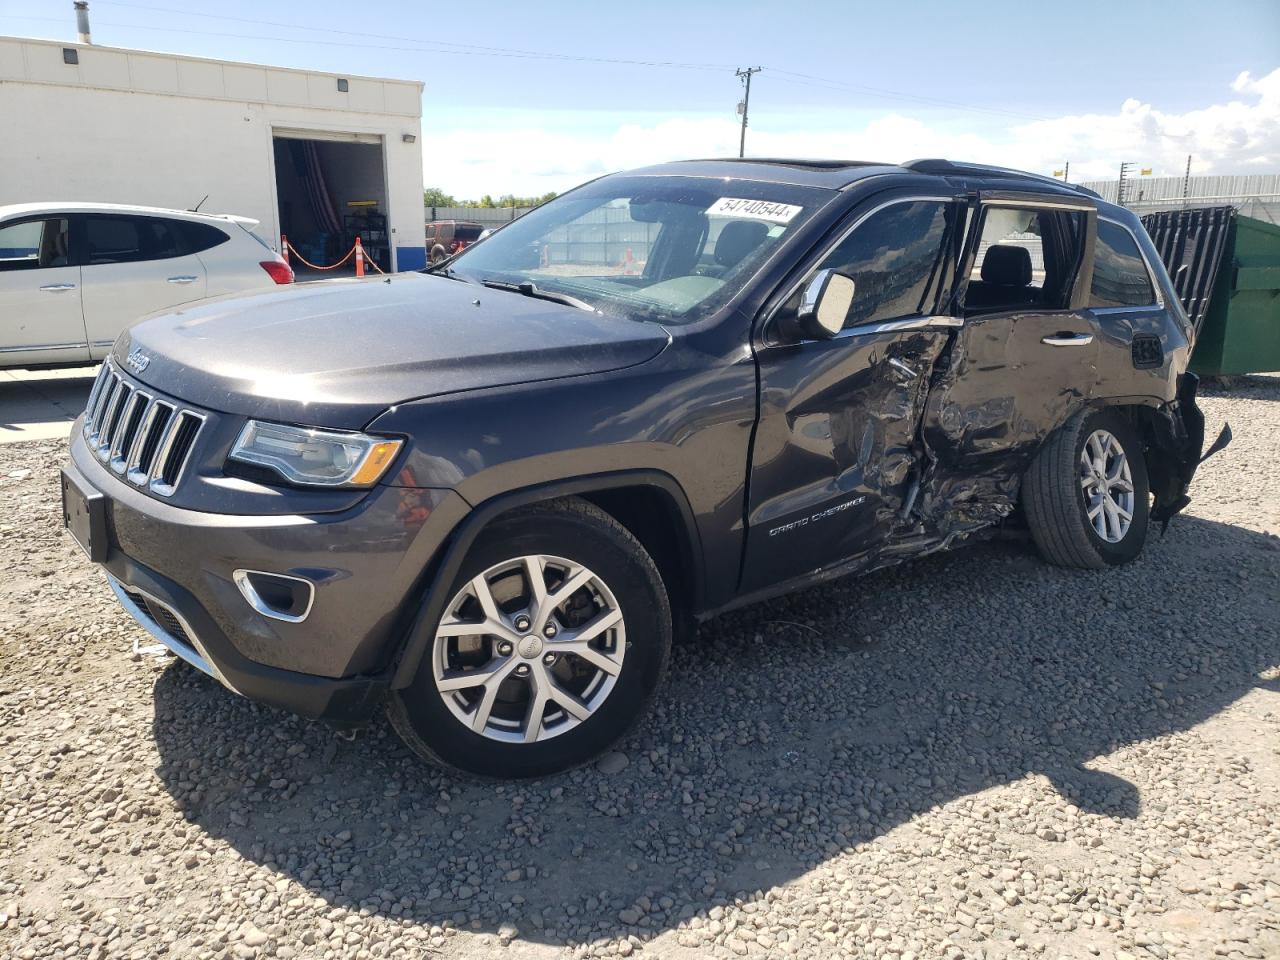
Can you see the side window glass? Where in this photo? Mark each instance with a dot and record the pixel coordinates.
(1026, 259)
(1120, 277)
(33, 244)
(163, 239)
(205, 236)
(112, 240)
(897, 259)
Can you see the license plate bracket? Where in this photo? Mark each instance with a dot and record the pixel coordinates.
(84, 514)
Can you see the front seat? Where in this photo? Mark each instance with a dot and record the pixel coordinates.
(1006, 278)
(737, 239)
(53, 246)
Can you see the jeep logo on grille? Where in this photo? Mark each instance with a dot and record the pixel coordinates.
(138, 360)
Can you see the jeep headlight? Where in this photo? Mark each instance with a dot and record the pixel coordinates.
(319, 458)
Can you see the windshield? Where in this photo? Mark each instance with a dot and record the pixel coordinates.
(669, 249)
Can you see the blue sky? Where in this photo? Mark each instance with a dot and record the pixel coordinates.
(1014, 82)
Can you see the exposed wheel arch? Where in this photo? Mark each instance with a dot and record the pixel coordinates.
(1172, 439)
(628, 492)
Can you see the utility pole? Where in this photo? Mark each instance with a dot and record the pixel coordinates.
(742, 107)
(1186, 184)
(1066, 172)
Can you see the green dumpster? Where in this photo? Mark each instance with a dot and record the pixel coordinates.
(1226, 270)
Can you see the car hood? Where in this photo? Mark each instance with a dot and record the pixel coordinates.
(339, 353)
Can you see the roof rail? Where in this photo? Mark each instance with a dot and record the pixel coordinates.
(816, 164)
(943, 167)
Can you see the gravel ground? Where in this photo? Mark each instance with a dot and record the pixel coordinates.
(975, 755)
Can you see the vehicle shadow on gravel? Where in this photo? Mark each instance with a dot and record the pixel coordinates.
(787, 732)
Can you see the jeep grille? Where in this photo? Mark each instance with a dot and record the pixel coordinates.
(146, 440)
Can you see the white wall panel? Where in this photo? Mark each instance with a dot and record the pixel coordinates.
(244, 83)
(105, 69)
(164, 131)
(151, 74)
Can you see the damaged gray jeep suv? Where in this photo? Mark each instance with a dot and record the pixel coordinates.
(485, 496)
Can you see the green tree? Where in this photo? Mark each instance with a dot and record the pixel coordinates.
(435, 197)
(506, 200)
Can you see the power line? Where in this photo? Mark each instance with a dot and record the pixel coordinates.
(425, 46)
(383, 36)
(454, 48)
(808, 79)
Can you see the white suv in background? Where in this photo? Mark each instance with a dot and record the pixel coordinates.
(73, 275)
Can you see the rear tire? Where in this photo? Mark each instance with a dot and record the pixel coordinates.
(1086, 494)
(473, 702)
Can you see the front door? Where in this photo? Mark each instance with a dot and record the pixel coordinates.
(40, 318)
(1025, 359)
(835, 446)
(132, 266)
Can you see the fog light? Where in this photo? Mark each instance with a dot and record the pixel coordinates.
(276, 595)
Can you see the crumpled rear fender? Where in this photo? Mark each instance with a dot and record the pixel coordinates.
(1175, 438)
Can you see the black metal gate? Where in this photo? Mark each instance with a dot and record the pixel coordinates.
(1191, 244)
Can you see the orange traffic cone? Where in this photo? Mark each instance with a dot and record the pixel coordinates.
(359, 258)
(284, 247)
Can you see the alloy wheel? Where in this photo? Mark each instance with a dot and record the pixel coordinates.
(1107, 483)
(529, 649)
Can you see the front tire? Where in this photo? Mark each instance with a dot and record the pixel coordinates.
(554, 638)
(1086, 494)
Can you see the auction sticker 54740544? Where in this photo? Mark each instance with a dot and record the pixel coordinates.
(753, 210)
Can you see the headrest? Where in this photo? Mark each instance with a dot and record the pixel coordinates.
(1007, 266)
(737, 239)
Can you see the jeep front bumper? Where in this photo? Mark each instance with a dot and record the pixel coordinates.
(174, 571)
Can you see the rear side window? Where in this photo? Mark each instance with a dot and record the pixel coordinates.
(33, 244)
(468, 232)
(1120, 277)
(202, 236)
(897, 259)
(161, 239)
(113, 240)
(128, 239)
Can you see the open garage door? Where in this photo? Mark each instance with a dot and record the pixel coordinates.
(331, 188)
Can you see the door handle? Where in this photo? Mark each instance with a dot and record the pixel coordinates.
(1068, 339)
(183, 279)
(58, 287)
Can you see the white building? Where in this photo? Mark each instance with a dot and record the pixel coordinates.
(317, 156)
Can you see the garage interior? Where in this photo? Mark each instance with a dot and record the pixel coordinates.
(331, 189)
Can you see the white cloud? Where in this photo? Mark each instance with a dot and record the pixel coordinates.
(1237, 135)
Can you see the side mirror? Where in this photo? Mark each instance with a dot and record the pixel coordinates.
(824, 304)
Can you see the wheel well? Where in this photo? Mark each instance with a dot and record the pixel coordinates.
(655, 520)
(650, 513)
(1148, 421)
(1156, 428)
(648, 510)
